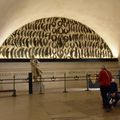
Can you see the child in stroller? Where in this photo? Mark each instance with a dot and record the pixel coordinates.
(114, 95)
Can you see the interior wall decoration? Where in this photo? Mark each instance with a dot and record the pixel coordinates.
(55, 38)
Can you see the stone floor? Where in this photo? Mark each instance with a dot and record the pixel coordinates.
(73, 105)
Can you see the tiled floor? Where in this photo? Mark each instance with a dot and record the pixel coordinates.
(73, 105)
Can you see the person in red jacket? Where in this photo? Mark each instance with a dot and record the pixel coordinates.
(105, 78)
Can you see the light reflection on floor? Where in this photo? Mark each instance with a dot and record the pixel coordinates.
(73, 105)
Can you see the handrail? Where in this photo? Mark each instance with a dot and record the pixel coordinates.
(64, 79)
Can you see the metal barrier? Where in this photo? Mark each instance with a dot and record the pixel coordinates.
(42, 80)
(95, 78)
(11, 81)
(66, 79)
(63, 79)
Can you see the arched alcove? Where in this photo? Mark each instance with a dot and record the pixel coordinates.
(55, 38)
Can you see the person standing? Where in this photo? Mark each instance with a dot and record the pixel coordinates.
(105, 78)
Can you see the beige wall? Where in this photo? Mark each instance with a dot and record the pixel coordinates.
(56, 69)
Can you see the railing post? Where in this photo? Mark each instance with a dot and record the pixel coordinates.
(41, 86)
(87, 81)
(30, 83)
(119, 77)
(14, 90)
(65, 89)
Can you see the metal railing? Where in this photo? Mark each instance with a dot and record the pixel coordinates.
(65, 79)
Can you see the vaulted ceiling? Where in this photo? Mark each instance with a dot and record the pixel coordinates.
(100, 15)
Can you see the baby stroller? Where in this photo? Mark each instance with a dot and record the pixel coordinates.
(114, 95)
